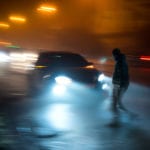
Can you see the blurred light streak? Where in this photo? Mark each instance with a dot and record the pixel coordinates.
(47, 8)
(17, 18)
(27, 56)
(5, 43)
(103, 60)
(4, 57)
(40, 67)
(4, 25)
(90, 66)
(22, 61)
(146, 58)
(12, 46)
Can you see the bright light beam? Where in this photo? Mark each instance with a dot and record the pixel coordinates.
(47, 9)
(4, 25)
(17, 19)
(5, 43)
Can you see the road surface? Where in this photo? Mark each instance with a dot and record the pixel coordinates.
(80, 121)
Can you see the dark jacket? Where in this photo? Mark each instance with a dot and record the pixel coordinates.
(120, 75)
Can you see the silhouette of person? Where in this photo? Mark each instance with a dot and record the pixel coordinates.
(120, 79)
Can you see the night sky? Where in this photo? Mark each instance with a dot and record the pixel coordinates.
(92, 27)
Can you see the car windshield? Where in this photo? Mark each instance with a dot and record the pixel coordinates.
(61, 60)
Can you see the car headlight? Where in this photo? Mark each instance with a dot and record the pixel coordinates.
(63, 80)
(101, 77)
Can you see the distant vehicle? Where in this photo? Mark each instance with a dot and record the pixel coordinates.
(63, 70)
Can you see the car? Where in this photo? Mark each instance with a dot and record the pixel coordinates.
(63, 69)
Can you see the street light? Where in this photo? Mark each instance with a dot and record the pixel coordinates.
(45, 8)
(5, 43)
(4, 25)
(17, 19)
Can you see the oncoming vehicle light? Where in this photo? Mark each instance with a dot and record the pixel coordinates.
(63, 80)
(101, 77)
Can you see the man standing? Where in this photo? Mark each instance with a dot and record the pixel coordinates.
(120, 79)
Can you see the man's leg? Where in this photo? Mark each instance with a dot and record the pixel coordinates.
(115, 96)
(114, 109)
(120, 96)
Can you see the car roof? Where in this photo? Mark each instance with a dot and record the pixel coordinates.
(58, 53)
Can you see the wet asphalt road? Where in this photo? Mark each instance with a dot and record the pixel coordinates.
(79, 121)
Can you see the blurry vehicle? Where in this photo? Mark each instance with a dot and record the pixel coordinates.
(58, 70)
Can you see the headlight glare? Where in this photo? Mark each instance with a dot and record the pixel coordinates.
(63, 80)
(101, 77)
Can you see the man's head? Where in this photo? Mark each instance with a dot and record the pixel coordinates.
(116, 53)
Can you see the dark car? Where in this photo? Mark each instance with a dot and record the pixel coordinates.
(63, 69)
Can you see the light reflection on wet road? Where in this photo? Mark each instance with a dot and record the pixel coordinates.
(81, 122)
